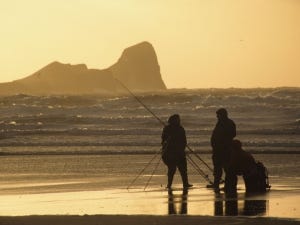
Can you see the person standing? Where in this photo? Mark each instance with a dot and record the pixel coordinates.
(173, 155)
(221, 141)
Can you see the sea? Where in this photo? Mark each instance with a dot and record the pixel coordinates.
(79, 143)
(267, 120)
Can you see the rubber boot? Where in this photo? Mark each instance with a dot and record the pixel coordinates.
(214, 185)
(186, 182)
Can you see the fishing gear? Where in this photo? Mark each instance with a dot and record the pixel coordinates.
(198, 169)
(136, 98)
(140, 173)
(163, 123)
(198, 157)
(154, 170)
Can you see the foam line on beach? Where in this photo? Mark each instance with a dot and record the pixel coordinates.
(28, 153)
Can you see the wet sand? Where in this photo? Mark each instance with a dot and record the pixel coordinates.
(281, 202)
(153, 206)
(104, 199)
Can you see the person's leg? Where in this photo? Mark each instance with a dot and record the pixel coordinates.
(171, 172)
(182, 167)
(230, 181)
(218, 171)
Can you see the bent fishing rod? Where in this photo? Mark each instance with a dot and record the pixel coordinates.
(160, 121)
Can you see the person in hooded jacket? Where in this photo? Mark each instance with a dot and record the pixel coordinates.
(173, 155)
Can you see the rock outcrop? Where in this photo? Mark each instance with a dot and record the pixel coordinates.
(137, 68)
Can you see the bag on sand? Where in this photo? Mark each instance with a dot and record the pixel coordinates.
(258, 179)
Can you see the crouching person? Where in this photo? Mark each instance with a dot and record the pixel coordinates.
(242, 163)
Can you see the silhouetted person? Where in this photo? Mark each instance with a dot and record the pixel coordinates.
(221, 140)
(243, 163)
(174, 143)
(172, 209)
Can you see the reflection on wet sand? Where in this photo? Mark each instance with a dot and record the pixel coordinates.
(224, 205)
(246, 207)
(177, 204)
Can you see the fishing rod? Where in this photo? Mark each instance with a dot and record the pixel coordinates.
(154, 170)
(198, 157)
(198, 169)
(140, 173)
(161, 122)
(136, 98)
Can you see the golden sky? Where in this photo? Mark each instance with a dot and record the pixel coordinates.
(199, 43)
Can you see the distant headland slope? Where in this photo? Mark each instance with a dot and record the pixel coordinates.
(137, 68)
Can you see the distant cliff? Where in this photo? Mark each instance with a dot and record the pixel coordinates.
(137, 68)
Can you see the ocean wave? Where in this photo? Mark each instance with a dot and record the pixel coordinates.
(205, 96)
(266, 119)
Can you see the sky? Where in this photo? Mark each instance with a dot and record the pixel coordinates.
(199, 43)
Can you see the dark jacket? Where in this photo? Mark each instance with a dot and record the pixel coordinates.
(223, 134)
(241, 162)
(174, 139)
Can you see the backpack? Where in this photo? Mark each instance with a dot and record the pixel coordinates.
(263, 177)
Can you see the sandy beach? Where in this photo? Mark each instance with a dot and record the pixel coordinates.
(198, 206)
